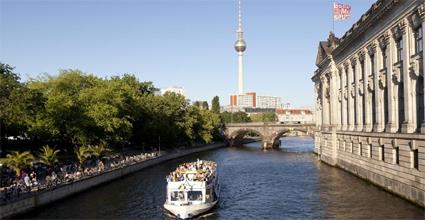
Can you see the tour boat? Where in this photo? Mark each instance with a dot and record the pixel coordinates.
(192, 189)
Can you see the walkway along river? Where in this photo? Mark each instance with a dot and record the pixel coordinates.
(287, 183)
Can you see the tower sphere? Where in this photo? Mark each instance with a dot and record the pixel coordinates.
(240, 45)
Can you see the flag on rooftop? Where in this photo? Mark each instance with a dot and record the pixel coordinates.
(341, 11)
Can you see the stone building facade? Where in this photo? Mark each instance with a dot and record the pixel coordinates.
(369, 91)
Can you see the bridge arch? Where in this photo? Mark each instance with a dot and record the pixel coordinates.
(237, 136)
(276, 135)
(268, 132)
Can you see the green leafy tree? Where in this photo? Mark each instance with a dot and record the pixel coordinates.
(226, 117)
(264, 117)
(204, 105)
(79, 109)
(240, 117)
(215, 105)
(64, 117)
(210, 125)
(197, 104)
(18, 105)
(48, 156)
(235, 117)
(18, 160)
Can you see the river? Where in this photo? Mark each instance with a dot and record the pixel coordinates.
(275, 184)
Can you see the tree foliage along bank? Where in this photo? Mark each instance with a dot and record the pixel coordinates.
(75, 109)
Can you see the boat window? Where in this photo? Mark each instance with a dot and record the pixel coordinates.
(209, 195)
(194, 195)
(177, 196)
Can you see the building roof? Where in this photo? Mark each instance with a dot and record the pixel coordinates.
(293, 111)
(325, 49)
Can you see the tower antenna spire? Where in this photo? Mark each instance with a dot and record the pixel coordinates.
(240, 47)
(239, 16)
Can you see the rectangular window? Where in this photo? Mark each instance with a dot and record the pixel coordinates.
(177, 196)
(194, 195)
(397, 156)
(360, 149)
(370, 151)
(416, 159)
(383, 152)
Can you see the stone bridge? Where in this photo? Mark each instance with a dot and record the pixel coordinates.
(270, 133)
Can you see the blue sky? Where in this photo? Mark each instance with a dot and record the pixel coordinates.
(186, 43)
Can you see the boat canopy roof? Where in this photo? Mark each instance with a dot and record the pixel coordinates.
(198, 171)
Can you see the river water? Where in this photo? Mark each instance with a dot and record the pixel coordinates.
(255, 184)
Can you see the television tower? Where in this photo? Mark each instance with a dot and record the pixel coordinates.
(240, 47)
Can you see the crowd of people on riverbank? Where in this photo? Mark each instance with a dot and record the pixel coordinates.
(39, 177)
(201, 170)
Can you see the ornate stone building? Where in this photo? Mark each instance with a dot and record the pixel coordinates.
(369, 89)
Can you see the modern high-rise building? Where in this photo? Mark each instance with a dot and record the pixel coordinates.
(251, 100)
(244, 100)
(269, 102)
(240, 47)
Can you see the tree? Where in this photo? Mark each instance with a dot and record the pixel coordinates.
(18, 105)
(215, 105)
(64, 117)
(48, 156)
(264, 117)
(18, 161)
(74, 108)
(240, 117)
(210, 123)
(235, 117)
(197, 104)
(204, 105)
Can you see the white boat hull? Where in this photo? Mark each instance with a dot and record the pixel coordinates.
(189, 211)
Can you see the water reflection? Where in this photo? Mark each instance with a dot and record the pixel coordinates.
(286, 183)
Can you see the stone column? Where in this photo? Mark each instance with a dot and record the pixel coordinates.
(407, 126)
(358, 97)
(333, 97)
(325, 103)
(374, 82)
(318, 113)
(422, 15)
(382, 81)
(391, 126)
(366, 95)
(323, 100)
(344, 97)
(351, 95)
(339, 100)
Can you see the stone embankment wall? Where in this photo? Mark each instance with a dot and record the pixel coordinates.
(395, 162)
(60, 192)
